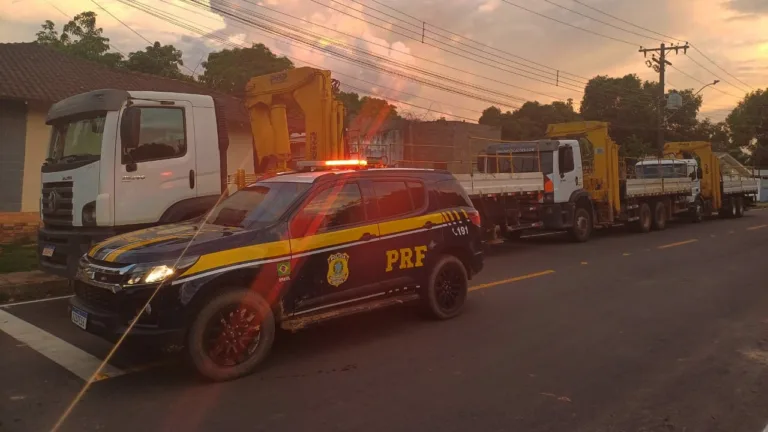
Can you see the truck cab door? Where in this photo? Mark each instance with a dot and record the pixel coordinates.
(696, 182)
(155, 161)
(567, 172)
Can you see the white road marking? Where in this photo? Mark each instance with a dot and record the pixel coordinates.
(7, 305)
(64, 354)
(765, 429)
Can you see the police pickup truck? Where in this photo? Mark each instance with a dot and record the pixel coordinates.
(290, 250)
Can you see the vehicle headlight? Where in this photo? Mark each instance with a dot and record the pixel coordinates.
(152, 273)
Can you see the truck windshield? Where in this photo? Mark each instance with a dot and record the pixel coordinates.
(522, 162)
(78, 139)
(257, 205)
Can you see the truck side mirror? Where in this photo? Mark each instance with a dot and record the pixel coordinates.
(699, 173)
(129, 128)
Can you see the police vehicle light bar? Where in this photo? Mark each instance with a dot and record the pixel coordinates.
(351, 163)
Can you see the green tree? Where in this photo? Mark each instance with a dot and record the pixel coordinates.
(530, 120)
(230, 69)
(748, 126)
(80, 37)
(370, 115)
(156, 59)
(631, 105)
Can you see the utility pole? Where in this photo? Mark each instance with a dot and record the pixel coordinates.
(659, 64)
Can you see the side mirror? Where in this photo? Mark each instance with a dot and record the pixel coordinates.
(699, 172)
(129, 129)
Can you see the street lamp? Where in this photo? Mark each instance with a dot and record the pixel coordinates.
(678, 108)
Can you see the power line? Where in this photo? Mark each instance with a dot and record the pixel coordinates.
(601, 21)
(157, 56)
(718, 66)
(571, 25)
(210, 35)
(627, 22)
(412, 55)
(237, 14)
(702, 82)
(665, 36)
(724, 80)
(550, 80)
(111, 45)
(425, 28)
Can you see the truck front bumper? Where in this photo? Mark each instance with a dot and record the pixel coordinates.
(67, 246)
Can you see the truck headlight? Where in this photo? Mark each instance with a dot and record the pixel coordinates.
(152, 273)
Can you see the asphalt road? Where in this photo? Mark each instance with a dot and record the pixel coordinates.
(666, 331)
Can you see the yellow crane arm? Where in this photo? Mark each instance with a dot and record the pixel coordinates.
(708, 162)
(305, 91)
(603, 180)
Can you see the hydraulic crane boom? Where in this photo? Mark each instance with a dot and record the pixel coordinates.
(303, 92)
(710, 166)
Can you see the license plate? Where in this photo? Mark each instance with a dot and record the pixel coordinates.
(80, 318)
(48, 251)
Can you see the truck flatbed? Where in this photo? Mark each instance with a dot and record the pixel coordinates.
(739, 185)
(659, 186)
(480, 184)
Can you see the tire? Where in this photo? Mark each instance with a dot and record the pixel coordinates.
(660, 216)
(728, 208)
(643, 225)
(204, 327)
(581, 230)
(443, 301)
(738, 210)
(697, 211)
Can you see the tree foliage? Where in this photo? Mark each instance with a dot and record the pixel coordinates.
(80, 37)
(748, 125)
(229, 70)
(366, 115)
(156, 59)
(530, 120)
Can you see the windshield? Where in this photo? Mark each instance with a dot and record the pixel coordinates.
(76, 139)
(523, 162)
(258, 204)
(661, 171)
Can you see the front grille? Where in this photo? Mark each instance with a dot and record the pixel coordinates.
(98, 297)
(56, 203)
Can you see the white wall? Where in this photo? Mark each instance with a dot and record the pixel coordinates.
(240, 152)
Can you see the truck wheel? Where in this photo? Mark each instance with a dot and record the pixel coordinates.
(581, 230)
(660, 216)
(728, 208)
(697, 211)
(738, 209)
(643, 224)
(446, 289)
(231, 335)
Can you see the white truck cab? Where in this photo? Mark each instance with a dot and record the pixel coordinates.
(654, 168)
(123, 160)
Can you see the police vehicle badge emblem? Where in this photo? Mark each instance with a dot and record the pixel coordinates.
(338, 269)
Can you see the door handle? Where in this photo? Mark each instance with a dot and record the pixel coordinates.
(367, 237)
(191, 179)
(428, 224)
(577, 180)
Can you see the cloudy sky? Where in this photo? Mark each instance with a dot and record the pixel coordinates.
(475, 52)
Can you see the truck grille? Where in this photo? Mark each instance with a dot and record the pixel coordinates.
(56, 203)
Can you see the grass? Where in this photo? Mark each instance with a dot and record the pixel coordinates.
(18, 257)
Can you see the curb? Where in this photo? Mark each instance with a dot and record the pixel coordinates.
(34, 291)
